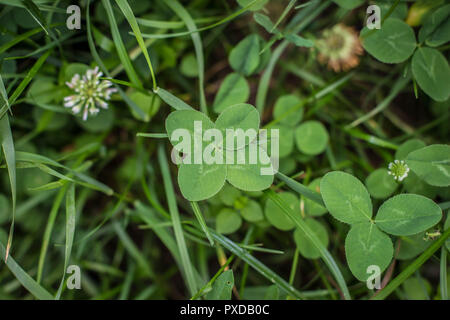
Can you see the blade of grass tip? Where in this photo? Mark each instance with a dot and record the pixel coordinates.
(443, 274)
(23, 84)
(89, 182)
(411, 268)
(19, 39)
(190, 24)
(120, 47)
(371, 139)
(7, 144)
(265, 271)
(102, 66)
(48, 231)
(201, 221)
(128, 13)
(34, 11)
(283, 15)
(175, 215)
(50, 45)
(3, 93)
(324, 253)
(301, 189)
(70, 231)
(24, 278)
(152, 135)
(172, 100)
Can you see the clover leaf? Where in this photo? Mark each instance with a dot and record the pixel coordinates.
(207, 160)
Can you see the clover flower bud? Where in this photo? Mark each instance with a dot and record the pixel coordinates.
(398, 169)
(90, 93)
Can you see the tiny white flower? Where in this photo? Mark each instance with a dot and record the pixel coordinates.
(90, 92)
(398, 169)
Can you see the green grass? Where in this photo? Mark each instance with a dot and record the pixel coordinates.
(104, 194)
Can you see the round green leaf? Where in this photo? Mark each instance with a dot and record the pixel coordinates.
(365, 246)
(242, 116)
(416, 289)
(234, 89)
(228, 221)
(149, 104)
(393, 43)
(408, 146)
(73, 69)
(432, 72)
(304, 244)
(189, 66)
(407, 214)
(436, 28)
(252, 212)
(412, 246)
(228, 195)
(312, 208)
(287, 166)
(311, 137)
(52, 120)
(413, 184)
(247, 176)
(185, 119)
(285, 143)
(431, 164)
(380, 184)
(42, 91)
(244, 58)
(288, 109)
(276, 216)
(201, 181)
(101, 122)
(346, 198)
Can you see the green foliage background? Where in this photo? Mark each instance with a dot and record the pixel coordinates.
(104, 194)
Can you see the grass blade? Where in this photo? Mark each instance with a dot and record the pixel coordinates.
(325, 255)
(190, 24)
(34, 11)
(175, 215)
(172, 100)
(410, 269)
(120, 47)
(443, 274)
(102, 66)
(7, 143)
(301, 189)
(30, 75)
(70, 232)
(128, 13)
(28, 282)
(256, 264)
(201, 221)
(132, 249)
(48, 231)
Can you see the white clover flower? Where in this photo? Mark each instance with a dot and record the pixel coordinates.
(398, 169)
(90, 93)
